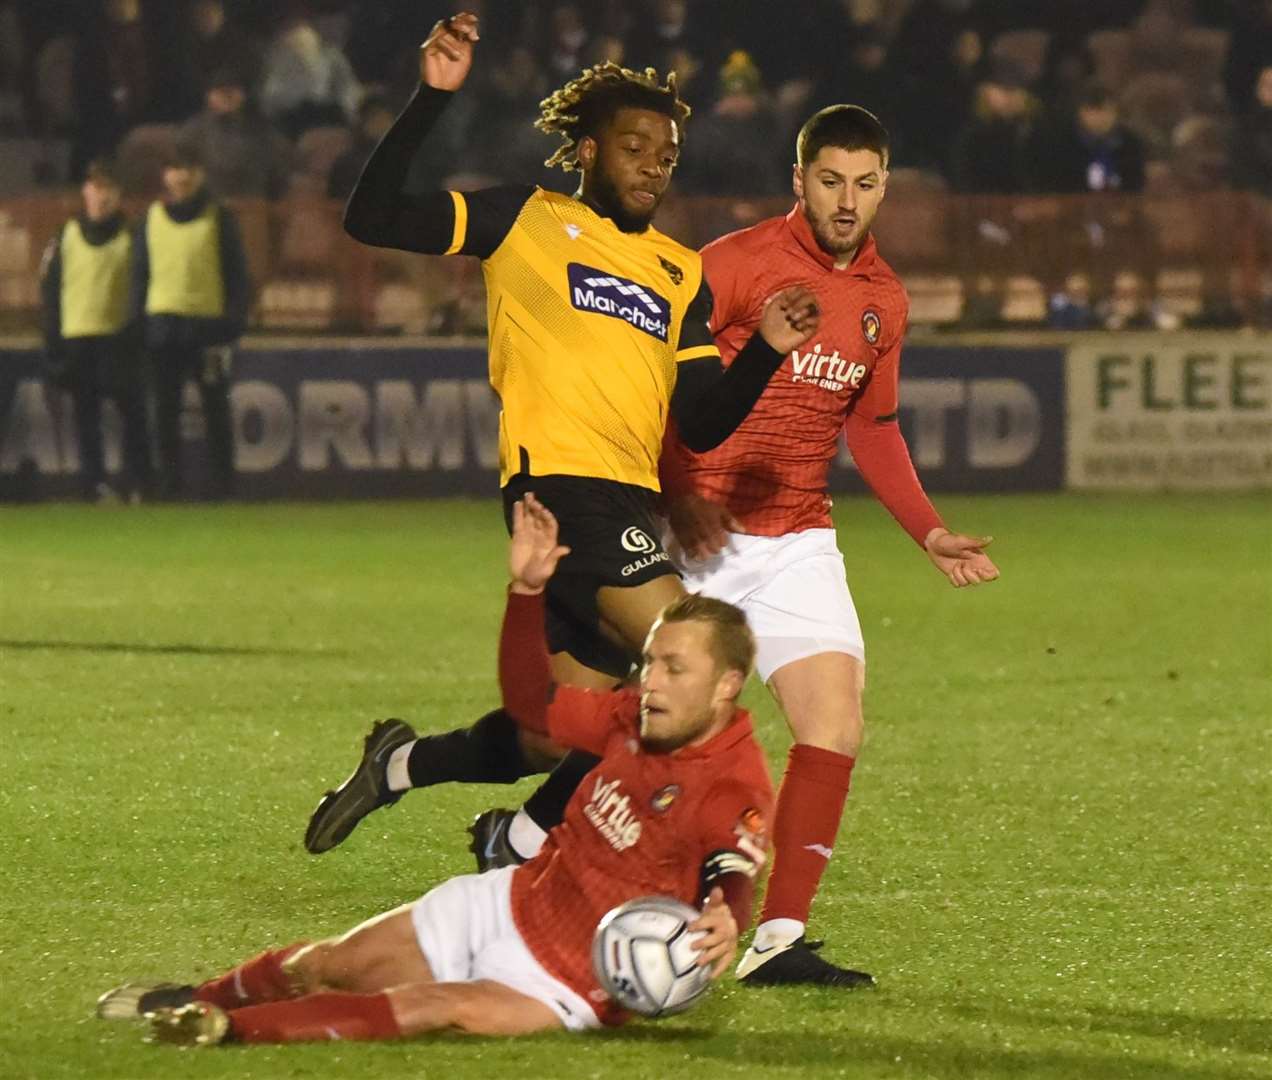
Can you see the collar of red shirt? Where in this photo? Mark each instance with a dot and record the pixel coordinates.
(803, 233)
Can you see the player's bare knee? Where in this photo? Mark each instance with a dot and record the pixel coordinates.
(839, 732)
(421, 1007)
(307, 968)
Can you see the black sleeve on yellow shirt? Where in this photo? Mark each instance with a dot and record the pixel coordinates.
(381, 213)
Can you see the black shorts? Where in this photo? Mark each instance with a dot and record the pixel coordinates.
(612, 534)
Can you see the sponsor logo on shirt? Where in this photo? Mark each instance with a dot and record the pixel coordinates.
(619, 298)
(830, 371)
(611, 812)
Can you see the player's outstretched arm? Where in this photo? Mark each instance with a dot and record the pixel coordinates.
(710, 401)
(381, 213)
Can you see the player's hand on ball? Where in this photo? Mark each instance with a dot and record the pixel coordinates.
(790, 318)
(447, 54)
(960, 558)
(718, 944)
(533, 553)
(701, 526)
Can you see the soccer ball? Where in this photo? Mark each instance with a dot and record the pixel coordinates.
(642, 956)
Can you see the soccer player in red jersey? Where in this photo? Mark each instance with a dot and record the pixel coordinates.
(675, 807)
(751, 519)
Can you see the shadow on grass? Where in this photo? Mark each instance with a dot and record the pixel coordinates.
(1242, 1034)
(944, 1058)
(165, 650)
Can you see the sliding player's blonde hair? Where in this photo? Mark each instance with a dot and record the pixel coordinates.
(732, 643)
(583, 106)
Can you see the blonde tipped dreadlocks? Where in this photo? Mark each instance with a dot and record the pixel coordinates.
(583, 105)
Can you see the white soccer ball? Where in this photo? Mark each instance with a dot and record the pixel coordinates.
(642, 956)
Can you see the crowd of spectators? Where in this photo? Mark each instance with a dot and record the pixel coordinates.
(285, 100)
(981, 96)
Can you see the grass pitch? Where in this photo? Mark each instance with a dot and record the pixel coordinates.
(1056, 856)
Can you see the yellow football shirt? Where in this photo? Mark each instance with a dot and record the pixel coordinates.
(587, 324)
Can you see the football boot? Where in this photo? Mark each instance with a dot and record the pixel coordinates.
(366, 789)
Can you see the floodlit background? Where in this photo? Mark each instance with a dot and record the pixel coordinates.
(1056, 853)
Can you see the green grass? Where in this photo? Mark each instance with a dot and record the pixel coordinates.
(1057, 855)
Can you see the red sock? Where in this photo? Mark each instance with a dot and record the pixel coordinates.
(259, 979)
(809, 806)
(316, 1017)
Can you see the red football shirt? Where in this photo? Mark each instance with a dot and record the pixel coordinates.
(639, 824)
(772, 472)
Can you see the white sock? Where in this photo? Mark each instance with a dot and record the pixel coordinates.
(775, 932)
(398, 775)
(525, 837)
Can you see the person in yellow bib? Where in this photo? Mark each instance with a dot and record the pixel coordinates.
(89, 336)
(191, 291)
(597, 334)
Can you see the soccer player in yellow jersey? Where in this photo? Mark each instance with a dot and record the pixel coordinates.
(597, 333)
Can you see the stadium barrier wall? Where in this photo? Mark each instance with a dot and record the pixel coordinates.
(357, 419)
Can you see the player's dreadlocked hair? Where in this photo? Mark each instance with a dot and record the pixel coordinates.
(583, 106)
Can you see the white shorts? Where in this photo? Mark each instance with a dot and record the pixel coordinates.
(792, 588)
(466, 932)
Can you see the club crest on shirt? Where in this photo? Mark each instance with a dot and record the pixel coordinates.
(673, 271)
(664, 797)
(871, 325)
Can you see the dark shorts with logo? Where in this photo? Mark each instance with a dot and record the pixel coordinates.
(612, 534)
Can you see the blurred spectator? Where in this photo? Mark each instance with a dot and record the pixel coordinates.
(991, 153)
(1154, 40)
(190, 286)
(1252, 150)
(866, 78)
(307, 81)
(1071, 308)
(245, 156)
(665, 27)
(1200, 153)
(686, 67)
(566, 42)
(375, 117)
(1090, 150)
(603, 49)
(730, 150)
(210, 46)
(930, 26)
(1130, 307)
(870, 79)
(1249, 51)
(113, 79)
(13, 60)
(512, 148)
(84, 283)
(940, 104)
(615, 18)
